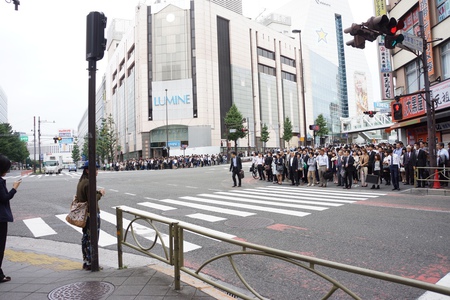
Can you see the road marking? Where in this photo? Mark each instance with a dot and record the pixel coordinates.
(247, 206)
(38, 227)
(148, 198)
(191, 187)
(326, 194)
(283, 198)
(105, 239)
(204, 217)
(265, 202)
(445, 281)
(210, 208)
(130, 194)
(145, 232)
(157, 206)
(114, 190)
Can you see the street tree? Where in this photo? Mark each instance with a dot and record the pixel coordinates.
(264, 136)
(287, 131)
(76, 155)
(107, 140)
(11, 145)
(234, 124)
(323, 126)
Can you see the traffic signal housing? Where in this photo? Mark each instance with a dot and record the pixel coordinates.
(95, 36)
(361, 35)
(392, 39)
(398, 113)
(371, 113)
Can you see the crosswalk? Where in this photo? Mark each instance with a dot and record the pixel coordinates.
(209, 208)
(39, 176)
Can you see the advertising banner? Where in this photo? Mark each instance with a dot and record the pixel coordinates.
(178, 101)
(424, 7)
(65, 133)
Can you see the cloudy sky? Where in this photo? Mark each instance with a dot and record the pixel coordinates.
(42, 56)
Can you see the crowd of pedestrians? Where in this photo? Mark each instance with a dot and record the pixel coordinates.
(160, 163)
(350, 165)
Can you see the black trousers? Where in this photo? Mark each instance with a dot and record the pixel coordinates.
(236, 173)
(3, 234)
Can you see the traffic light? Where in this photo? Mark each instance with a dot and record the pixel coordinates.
(377, 23)
(398, 113)
(361, 34)
(392, 38)
(95, 36)
(314, 127)
(371, 113)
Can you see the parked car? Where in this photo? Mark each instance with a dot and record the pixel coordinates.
(72, 167)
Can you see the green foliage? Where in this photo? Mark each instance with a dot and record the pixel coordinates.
(11, 145)
(322, 125)
(85, 150)
(234, 122)
(287, 130)
(265, 134)
(107, 140)
(76, 155)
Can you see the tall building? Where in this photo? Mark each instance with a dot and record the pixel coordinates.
(198, 57)
(3, 106)
(176, 69)
(337, 78)
(409, 76)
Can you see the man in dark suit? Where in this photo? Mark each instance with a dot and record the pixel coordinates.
(349, 167)
(371, 154)
(292, 164)
(421, 161)
(268, 166)
(407, 163)
(235, 167)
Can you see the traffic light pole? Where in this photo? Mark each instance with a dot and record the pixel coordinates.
(93, 224)
(431, 126)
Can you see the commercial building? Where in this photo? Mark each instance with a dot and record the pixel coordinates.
(408, 69)
(176, 69)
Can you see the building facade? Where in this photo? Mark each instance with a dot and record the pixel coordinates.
(408, 69)
(176, 69)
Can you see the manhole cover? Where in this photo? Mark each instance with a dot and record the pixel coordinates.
(179, 212)
(93, 290)
(249, 223)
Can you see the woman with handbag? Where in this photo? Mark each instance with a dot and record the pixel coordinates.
(280, 168)
(377, 170)
(5, 210)
(83, 196)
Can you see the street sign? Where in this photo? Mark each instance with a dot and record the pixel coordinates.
(24, 138)
(413, 42)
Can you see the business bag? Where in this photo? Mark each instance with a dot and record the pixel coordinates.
(373, 179)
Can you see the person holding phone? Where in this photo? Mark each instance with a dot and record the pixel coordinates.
(5, 210)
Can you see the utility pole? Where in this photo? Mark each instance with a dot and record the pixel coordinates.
(431, 126)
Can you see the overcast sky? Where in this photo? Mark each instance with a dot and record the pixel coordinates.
(42, 56)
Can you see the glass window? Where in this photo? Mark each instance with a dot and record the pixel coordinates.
(445, 53)
(414, 78)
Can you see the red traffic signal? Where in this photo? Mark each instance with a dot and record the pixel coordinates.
(314, 127)
(398, 113)
(371, 113)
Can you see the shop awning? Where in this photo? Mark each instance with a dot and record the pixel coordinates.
(405, 123)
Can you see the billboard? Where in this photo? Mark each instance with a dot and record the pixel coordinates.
(178, 101)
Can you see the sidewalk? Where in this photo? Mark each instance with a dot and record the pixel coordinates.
(44, 269)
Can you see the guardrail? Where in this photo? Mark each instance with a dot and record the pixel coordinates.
(435, 177)
(172, 254)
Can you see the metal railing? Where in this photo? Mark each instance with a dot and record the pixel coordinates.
(431, 175)
(172, 254)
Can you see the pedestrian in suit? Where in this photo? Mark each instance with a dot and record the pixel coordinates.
(293, 167)
(371, 154)
(5, 210)
(235, 168)
(408, 159)
(421, 161)
(349, 167)
(268, 166)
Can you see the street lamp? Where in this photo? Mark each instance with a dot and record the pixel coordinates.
(167, 125)
(303, 84)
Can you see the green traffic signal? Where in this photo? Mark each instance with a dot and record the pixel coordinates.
(390, 41)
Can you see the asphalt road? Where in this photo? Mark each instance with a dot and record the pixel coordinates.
(387, 231)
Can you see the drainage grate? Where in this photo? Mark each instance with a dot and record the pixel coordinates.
(93, 290)
(249, 223)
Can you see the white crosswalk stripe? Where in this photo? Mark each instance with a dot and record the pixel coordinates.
(281, 200)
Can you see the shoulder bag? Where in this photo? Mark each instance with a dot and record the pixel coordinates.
(78, 213)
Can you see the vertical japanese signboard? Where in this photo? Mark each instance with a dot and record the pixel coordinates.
(384, 58)
(424, 7)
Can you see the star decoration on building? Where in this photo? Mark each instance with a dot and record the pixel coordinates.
(322, 35)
